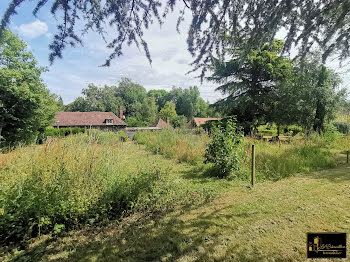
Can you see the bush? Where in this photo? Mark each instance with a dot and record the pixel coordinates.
(342, 127)
(106, 137)
(64, 131)
(292, 129)
(135, 121)
(225, 149)
(122, 136)
(267, 130)
(179, 122)
(330, 133)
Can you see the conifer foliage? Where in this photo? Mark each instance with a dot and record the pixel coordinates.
(306, 24)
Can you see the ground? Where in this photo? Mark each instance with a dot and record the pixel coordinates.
(266, 223)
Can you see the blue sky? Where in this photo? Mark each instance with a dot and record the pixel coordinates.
(80, 66)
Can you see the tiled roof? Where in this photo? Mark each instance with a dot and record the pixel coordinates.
(161, 123)
(201, 120)
(87, 119)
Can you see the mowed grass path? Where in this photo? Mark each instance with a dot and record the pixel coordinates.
(267, 223)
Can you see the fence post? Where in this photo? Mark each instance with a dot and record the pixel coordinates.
(252, 182)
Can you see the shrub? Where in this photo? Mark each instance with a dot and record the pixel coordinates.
(122, 136)
(106, 137)
(64, 131)
(342, 127)
(292, 129)
(179, 121)
(330, 133)
(225, 149)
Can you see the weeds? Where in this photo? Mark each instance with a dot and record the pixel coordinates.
(178, 144)
(275, 161)
(77, 180)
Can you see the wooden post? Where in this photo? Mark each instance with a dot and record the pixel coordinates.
(252, 182)
(347, 156)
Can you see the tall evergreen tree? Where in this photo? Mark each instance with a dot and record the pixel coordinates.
(250, 79)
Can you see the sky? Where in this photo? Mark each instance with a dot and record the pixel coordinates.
(81, 65)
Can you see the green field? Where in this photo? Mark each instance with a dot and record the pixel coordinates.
(183, 214)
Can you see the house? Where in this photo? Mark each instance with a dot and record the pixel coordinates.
(198, 121)
(98, 120)
(161, 124)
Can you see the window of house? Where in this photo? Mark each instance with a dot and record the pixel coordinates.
(109, 121)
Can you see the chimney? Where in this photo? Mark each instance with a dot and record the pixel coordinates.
(121, 112)
(168, 121)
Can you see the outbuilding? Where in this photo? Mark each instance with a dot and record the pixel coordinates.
(96, 120)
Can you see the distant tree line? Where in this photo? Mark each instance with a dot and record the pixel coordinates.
(142, 108)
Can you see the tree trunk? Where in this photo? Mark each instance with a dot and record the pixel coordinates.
(319, 117)
(320, 105)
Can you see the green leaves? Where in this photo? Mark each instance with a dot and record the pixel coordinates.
(310, 97)
(249, 79)
(168, 111)
(225, 149)
(26, 106)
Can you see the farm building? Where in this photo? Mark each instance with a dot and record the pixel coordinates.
(98, 120)
(198, 121)
(161, 124)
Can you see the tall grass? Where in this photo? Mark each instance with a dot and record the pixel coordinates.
(77, 180)
(89, 178)
(275, 161)
(178, 144)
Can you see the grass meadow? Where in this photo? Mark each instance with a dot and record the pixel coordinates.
(102, 198)
(85, 179)
(179, 144)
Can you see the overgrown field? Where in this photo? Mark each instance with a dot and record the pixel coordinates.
(87, 179)
(273, 160)
(179, 144)
(267, 223)
(94, 178)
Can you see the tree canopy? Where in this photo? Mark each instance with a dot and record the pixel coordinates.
(304, 24)
(310, 97)
(263, 86)
(249, 79)
(26, 106)
(140, 107)
(168, 111)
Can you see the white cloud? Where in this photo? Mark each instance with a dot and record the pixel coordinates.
(33, 30)
(169, 67)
